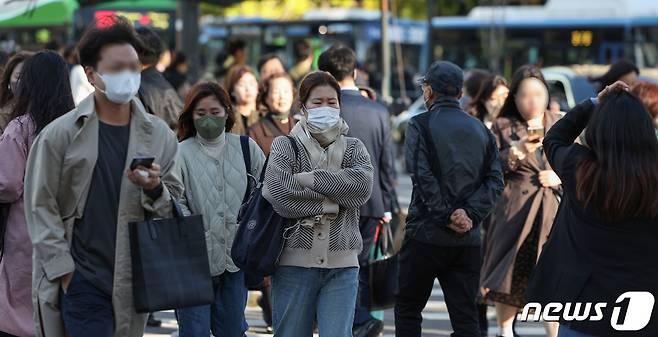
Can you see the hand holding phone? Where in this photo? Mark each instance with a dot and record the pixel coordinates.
(146, 162)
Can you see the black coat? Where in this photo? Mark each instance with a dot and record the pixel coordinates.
(159, 97)
(587, 258)
(369, 122)
(454, 163)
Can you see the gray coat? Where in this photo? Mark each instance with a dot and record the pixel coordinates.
(57, 180)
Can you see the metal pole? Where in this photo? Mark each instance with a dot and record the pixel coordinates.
(189, 11)
(386, 54)
(430, 46)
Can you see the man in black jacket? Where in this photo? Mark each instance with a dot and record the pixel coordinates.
(457, 177)
(156, 93)
(369, 122)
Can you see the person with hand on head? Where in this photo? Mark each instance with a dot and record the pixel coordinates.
(320, 178)
(523, 217)
(216, 181)
(80, 194)
(242, 86)
(453, 162)
(602, 247)
(45, 96)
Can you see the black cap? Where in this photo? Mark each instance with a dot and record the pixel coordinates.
(444, 77)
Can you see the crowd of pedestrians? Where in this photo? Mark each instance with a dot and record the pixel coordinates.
(512, 202)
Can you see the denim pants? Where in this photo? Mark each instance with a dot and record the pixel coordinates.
(224, 317)
(86, 310)
(301, 295)
(565, 331)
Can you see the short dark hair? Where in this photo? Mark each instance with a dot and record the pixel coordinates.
(198, 92)
(302, 50)
(153, 46)
(474, 80)
(316, 79)
(339, 61)
(120, 31)
(267, 58)
(616, 71)
(235, 45)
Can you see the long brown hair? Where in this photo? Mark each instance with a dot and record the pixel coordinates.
(619, 177)
(198, 92)
(6, 94)
(316, 79)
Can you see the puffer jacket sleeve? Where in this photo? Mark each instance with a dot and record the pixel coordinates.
(349, 187)
(288, 198)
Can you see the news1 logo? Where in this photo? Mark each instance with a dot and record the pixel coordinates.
(637, 307)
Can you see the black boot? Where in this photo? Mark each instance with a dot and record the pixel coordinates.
(152, 322)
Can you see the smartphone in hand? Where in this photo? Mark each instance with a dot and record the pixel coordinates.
(141, 161)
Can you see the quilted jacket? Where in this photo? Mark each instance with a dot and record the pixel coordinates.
(214, 188)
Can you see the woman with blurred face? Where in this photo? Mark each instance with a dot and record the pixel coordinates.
(524, 214)
(319, 177)
(276, 99)
(242, 86)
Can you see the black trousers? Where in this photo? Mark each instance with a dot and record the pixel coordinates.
(367, 226)
(458, 272)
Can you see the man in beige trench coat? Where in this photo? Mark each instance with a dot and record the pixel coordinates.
(77, 178)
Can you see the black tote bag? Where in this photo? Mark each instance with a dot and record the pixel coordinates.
(170, 263)
(383, 270)
(260, 238)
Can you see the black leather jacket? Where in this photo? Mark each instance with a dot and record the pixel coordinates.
(453, 162)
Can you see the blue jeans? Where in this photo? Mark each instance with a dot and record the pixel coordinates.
(566, 332)
(300, 295)
(225, 317)
(86, 310)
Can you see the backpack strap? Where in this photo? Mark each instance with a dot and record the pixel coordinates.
(246, 155)
(246, 152)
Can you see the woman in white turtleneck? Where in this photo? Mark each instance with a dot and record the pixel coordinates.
(215, 177)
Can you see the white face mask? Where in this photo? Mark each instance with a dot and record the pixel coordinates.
(323, 117)
(121, 87)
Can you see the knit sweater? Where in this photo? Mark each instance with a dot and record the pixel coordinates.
(296, 191)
